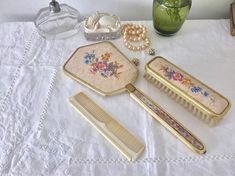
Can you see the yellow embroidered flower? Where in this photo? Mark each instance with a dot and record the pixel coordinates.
(187, 82)
(106, 56)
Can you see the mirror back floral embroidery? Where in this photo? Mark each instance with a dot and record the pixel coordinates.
(103, 64)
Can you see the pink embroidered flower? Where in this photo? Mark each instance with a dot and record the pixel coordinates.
(101, 65)
(177, 76)
(93, 69)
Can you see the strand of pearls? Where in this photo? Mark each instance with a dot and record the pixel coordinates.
(133, 33)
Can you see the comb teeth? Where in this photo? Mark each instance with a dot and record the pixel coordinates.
(190, 107)
(121, 138)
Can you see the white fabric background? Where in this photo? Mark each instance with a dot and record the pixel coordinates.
(41, 134)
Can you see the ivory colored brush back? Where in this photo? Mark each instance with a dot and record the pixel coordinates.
(101, 67)
(208, 103)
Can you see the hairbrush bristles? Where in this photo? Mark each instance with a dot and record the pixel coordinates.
(195, 96)
(177, 98)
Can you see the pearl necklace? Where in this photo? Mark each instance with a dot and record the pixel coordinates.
(133, 33)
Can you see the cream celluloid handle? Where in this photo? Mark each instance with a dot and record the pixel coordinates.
(166, 120)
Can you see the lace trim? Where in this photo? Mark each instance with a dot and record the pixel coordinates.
(47, 102)
(153, 160)
(14, 122)
(17, 72)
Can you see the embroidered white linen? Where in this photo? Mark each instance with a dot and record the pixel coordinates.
(41, 134)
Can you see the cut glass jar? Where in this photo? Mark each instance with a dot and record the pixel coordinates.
(57, 21)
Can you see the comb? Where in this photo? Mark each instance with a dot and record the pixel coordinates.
(204, 102)
(115, 133)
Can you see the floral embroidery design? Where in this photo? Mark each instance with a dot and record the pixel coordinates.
(170, 121)
(102, 64)
(177, 76)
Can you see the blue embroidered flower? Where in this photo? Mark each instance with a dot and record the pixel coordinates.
(196, 89)
(206, 94)
(89, 58)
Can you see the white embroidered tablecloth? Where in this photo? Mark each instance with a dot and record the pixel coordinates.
(41, 134)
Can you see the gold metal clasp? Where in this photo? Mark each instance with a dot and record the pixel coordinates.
(130, 87)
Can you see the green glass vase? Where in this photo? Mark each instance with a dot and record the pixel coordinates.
(169, 15)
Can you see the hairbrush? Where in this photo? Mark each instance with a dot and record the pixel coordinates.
(116, 134)
(203, 101)
(104, 69)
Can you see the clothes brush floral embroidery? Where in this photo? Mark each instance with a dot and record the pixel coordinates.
(102, 64)
(171, 74)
